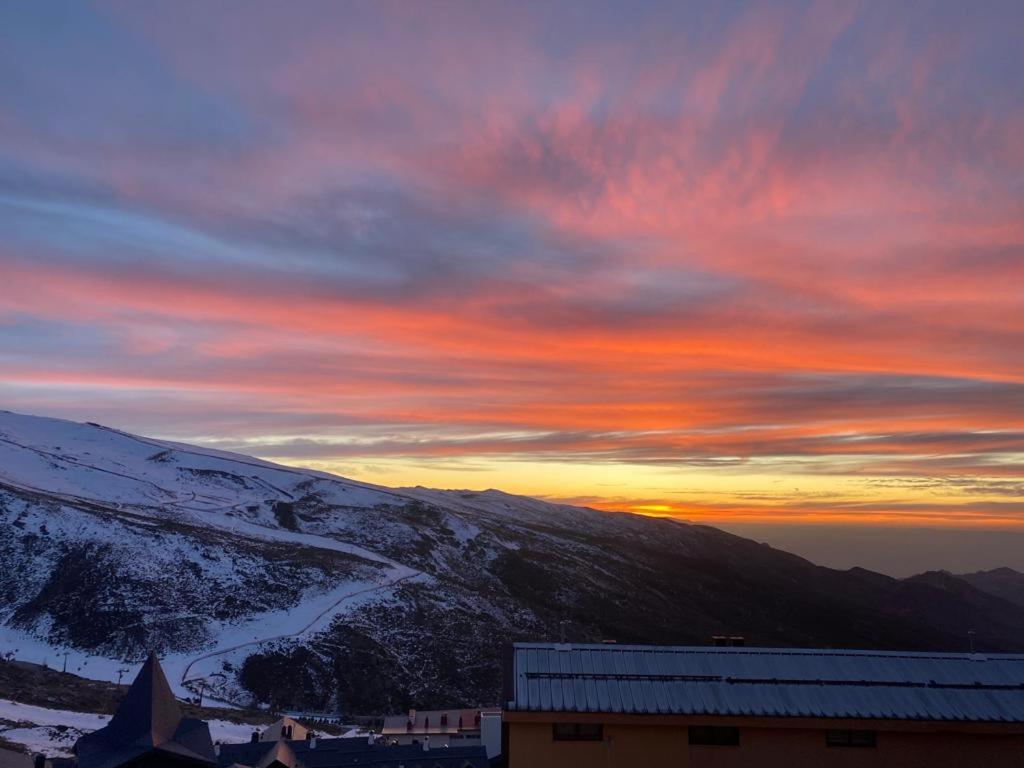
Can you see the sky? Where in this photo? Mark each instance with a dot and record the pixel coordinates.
(758, 265)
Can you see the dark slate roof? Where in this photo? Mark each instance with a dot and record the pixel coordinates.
(340, 753)
(279, 754)
(774, 682)
(11, 759)
(148, 721)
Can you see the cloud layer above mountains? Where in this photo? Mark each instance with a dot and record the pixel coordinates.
(716, 260)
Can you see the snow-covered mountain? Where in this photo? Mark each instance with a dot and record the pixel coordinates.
(259, 582)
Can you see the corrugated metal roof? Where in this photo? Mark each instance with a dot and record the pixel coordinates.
(643, 679)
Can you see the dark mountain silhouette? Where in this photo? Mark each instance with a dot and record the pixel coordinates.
(1001, 582)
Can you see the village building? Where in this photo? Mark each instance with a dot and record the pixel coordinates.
(148, 730)
(289, 744)
(446, 727)
(314, 752)
(620, 706)
(285, 728)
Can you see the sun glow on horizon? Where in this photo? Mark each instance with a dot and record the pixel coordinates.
(713, 497)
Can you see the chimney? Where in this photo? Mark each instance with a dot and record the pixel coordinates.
(216, 749)
(312, 741)
(371, 739)
(426, 743)
(255, 737)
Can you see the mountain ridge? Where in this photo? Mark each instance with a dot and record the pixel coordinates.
(273, 584)
(1003, 582)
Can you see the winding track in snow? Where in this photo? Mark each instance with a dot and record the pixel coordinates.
(403, 573)
(259, 641)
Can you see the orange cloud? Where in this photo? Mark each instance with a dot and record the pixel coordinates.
(768, 246)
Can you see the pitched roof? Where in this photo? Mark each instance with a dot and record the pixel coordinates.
(776, 682)
(279, 754)
(148, 720)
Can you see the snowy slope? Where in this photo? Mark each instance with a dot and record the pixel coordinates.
(53, 732)
(82, 496)
(126, 543)
(267, 584)
(88, 461)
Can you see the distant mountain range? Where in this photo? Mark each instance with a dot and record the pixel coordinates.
(262, 583)
(1001, 582)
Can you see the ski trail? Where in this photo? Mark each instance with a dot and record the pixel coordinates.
(330, 610)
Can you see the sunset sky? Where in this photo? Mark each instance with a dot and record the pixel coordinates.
(732, 262)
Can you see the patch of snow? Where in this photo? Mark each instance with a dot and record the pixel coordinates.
(16, 712)
(54, 731)
(46, 740)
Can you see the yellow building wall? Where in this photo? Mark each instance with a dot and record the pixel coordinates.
(637, 746)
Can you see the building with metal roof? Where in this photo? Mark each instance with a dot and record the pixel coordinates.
(568, 702)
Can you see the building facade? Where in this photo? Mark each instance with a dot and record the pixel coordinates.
(445, 728)
(610, 705)
(285, 729)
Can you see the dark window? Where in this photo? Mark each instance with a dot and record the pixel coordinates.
(847, 738)
(577, 732)
(714, 736)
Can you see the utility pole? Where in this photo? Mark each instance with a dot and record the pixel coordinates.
(65, 655)
(120, 674)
